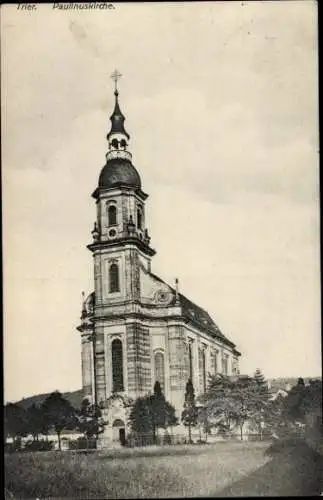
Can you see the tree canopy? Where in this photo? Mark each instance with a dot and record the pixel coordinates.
(59, 414)
(151, 412)
(15, 421)
(90, 421)
(231, 401)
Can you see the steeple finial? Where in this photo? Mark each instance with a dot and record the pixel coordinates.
(117, 118)
(116, 75)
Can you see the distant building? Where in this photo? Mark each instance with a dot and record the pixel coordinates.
(136, 328)
(278, 393)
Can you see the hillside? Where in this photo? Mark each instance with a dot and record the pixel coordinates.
(75, 397)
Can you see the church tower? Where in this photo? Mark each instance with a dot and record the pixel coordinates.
(135, 328)
(120, 247)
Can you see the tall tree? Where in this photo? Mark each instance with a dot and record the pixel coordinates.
(36, 421)
(244, 394)
(230, 401)
(89, 420)
(261, 400)
(158, 409)
(15, 421)
(203, 421)
(59, 414)
(151, 412)
(190, 412)
(261, 382)
(303, 400)
(170, 415)
(141, 418)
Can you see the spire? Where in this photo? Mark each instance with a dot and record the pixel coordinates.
(117, 118)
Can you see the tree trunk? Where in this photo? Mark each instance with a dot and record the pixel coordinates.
(241, 434)
(189, 433)
(59, 441)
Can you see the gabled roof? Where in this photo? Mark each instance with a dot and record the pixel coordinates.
(201, 318)
(198, 316)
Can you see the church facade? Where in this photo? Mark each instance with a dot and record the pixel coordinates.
(135, 328)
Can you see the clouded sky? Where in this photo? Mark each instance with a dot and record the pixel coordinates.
(222, 108)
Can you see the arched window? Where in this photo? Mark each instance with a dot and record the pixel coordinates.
(160, 370)
(139, 218)
(123, 144)
(117, 366)
(114, 278)
(114, 143)
(112, 215)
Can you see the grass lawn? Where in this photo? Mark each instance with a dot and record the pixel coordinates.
(174, 471)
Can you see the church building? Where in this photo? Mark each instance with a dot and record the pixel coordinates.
(136, 328)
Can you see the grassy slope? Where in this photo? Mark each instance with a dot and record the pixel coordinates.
(181, 471)
(224, 469)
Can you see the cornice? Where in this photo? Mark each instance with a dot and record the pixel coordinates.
(127, 190)
(122, 242)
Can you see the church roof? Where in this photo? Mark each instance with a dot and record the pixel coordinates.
(198, 316)
(201, 319)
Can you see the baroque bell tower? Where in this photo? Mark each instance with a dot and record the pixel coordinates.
(120, 236)
(120, 247)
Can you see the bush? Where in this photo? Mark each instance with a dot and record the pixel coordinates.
(41, 445)
(284, 444)
(12, 447)
(138, 440)
(82, 444)
(167, 439)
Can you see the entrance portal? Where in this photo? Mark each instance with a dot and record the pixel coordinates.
(122, 436)
(119, 432)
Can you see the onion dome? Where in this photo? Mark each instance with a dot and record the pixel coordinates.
(119, 172)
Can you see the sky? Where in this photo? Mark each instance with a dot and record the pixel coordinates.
(221, 102)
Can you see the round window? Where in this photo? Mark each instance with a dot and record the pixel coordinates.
(112, 233)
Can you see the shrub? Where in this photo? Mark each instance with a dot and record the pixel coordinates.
(138, 440)
(38, 445)
(12, 447)
(284, 444)
(82, 444)
(167, 439)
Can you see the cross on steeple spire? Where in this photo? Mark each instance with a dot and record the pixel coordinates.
(117, 118)
(116, 75)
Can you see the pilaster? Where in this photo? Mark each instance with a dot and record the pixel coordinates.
(138, 360)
